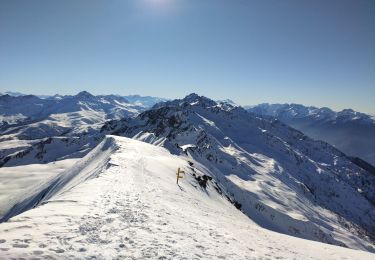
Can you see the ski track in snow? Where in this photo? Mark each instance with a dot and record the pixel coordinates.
(135, 210)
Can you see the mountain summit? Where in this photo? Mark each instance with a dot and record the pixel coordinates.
(84, 95)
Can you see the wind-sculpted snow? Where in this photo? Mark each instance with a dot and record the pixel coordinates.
(46, 150)
(284, 180)
(134, 209)
(85, 169)
(16, 179)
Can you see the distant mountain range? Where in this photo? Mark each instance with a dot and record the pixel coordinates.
(350, 131)
(42, 129)
(143, 101)
(31, 117)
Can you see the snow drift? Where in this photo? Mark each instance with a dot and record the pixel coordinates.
(87, 168)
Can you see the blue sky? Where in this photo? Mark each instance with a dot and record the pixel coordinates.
(311, 52)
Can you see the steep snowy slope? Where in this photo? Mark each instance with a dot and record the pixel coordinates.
(86, 168)
(47, 150)
(122, 201)
(350, 131)
(284, 180)
(15, 180)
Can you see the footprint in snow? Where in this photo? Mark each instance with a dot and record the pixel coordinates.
(20, 245)
(27, 241)
(38, 252)
(57, 250)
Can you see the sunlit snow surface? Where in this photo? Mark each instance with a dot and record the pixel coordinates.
(14, 180)
(123, 202)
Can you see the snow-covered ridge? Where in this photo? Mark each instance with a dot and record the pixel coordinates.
(46, 150)
(133, 208)
(284, 180)
(350, 131)
(85, 169)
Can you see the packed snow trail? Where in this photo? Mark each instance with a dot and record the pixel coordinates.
(135, 210)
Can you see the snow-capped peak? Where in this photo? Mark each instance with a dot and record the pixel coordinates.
(228, 102)
(192, 99)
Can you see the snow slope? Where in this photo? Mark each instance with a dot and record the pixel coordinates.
(84, 169)
(122, 201)
(46, 150)
(283, 180)
(350, 131)
(15, 180)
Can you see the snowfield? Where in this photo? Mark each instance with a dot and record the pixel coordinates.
(122, 201)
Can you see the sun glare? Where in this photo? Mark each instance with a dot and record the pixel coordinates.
(158, 5)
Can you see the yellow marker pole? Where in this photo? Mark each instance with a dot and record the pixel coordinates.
(178, 174)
